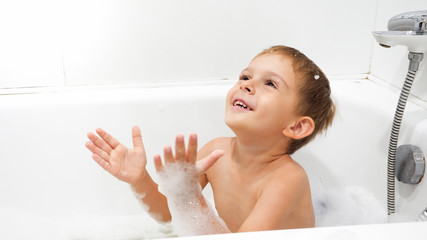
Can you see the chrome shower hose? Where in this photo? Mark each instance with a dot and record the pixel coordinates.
(415, 59)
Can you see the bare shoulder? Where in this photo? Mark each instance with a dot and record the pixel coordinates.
(288, 185)
(288, 176)
(284, 199)
(222, 143)
(217, 143)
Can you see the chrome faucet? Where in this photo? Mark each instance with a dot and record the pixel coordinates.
(407, 29)
(409, 21)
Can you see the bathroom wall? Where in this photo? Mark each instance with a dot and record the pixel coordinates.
(391, 65)
(91, 42)
(86, 42)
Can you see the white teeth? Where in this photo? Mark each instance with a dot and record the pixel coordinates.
(240, 104)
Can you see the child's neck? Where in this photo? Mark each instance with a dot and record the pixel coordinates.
(255, 151)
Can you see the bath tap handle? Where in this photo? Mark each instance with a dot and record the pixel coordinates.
(409, 21)
(420, 25)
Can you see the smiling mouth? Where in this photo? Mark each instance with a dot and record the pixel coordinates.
(241, 104)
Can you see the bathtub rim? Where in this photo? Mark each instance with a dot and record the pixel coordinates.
(389, 231)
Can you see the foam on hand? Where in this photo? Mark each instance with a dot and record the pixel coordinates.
(145, 207)
(191, 215)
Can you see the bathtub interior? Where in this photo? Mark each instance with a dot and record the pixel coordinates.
(352, 156)
(357, 161)
(48, 179)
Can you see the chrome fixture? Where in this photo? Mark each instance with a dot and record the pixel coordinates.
(410, 164)
(409, 21)
(423, 216)
(407, 29)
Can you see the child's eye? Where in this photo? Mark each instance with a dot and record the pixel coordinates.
(270, 83)
(244, 77)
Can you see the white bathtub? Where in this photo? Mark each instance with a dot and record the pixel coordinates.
(51, 189)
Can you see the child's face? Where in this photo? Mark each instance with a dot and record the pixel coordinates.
(265, 97)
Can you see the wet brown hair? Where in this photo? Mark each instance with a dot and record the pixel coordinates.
(314, 93)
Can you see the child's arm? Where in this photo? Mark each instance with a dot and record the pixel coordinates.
(128, 165)
(179, 181)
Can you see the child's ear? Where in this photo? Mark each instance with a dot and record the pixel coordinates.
(302, 128)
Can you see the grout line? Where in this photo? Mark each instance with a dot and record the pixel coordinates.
(373, 41)
(396, 90)
(70, 88)
(74, 88)
(63, 67)
(77, 88)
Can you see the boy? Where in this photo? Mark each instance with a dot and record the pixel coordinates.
(281, 101)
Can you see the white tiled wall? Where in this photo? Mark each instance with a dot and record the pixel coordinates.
(86, 42)
(83, 42)
(30, 46)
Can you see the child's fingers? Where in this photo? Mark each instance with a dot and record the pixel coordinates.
(99, 143)
(204, 164)
(167, 153)
(136, 137)
(180, 148)
(89, 145)
(158, 163)
(108, 138)
(191, 155)
(101, 162)
(95, 150)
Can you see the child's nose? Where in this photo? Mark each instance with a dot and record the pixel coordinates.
(247, 86)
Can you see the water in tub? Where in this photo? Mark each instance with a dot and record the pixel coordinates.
(333, 206)
(19, 224)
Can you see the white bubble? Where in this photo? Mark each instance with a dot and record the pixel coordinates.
(346, 206)
(179, 183)
(18, 223)
(144, 207)
(316, 76)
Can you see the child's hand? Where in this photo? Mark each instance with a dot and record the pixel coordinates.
(178, 181)
(189, 156)
(125, 164)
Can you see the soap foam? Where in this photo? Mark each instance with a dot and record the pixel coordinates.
(145, 207)
(16, 223)
(179, 183)
(346, 206)
(333, 206)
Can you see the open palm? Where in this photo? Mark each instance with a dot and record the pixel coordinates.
(126, 164)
